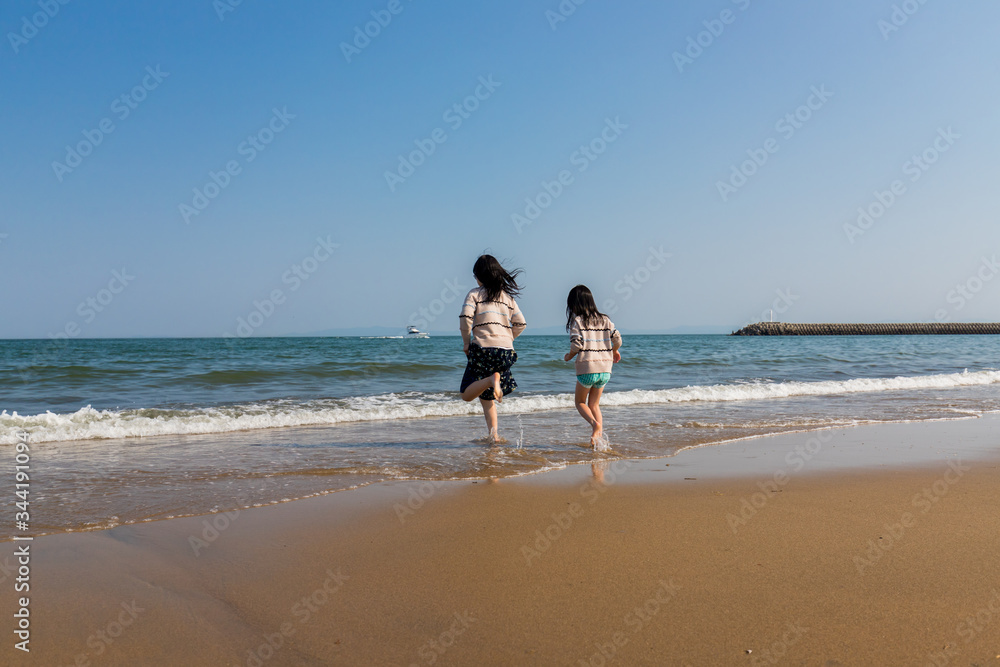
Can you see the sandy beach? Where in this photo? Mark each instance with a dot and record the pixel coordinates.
(419, 334)
(874, 545)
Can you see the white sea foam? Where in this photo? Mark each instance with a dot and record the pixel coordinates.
(767, 390)
(90, 424)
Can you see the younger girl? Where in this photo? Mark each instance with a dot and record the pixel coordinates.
(489, 322)
(594, 338)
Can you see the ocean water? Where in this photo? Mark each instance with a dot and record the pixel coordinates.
(123, 431)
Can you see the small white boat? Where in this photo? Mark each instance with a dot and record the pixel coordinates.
(413, 332)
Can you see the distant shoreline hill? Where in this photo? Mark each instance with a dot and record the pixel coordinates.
(908, 329)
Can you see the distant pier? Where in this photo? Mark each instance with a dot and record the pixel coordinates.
(924, 329)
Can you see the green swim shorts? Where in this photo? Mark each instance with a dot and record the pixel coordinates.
(591, 380)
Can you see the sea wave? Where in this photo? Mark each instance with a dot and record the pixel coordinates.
(90, 424)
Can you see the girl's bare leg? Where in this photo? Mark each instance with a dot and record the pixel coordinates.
(594, 403)
(490, 412)
(479, 386)
(583, 408)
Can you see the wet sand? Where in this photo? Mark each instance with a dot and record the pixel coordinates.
(870, 545)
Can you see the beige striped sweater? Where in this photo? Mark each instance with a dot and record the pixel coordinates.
(595, 343)
(490, 323)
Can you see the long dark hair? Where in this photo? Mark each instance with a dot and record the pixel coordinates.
(495, 278)
(581, 302)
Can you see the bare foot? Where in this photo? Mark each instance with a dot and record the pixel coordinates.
(492, 439)
(598, 431)
(497, 391)
(597, 439)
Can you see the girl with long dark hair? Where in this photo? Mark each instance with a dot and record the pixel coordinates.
(594, 341)
(490, 321)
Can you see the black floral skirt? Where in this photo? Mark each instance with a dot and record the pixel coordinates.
(484, 362)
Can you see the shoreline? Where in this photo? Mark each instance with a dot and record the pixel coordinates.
(564, 567)
(765, 445)
(756, 447)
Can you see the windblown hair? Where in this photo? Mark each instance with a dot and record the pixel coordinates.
(581, 302)
(495, 278)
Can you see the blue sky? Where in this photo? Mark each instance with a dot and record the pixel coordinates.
(208, 86)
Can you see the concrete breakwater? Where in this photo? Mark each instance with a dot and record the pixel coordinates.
(936, 328)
